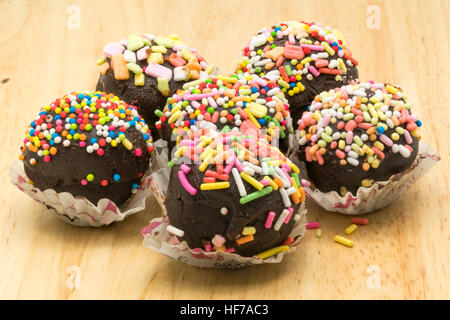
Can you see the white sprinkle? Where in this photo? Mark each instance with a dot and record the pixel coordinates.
(224, 211)
(281, 219)
(285, 197)
(239, 183)
(352, 161)
(175, 231)
(404, 151)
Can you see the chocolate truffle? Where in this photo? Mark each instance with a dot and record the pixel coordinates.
(88, 144)
(251, 104)
(233, 193)
(304, 58)
(356, 135)
(145, 70)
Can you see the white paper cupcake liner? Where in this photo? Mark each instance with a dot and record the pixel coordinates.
(157, 238)
(79, 211)
(380, 194)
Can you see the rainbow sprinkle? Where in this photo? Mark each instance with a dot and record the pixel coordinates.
(158, 57)
(308, 50)
(258, 169)
(249, 103)
(73, 120)
(358, 123)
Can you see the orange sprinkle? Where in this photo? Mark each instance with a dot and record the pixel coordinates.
(245, 239)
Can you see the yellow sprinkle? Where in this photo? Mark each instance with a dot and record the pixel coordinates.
(174, 117)
(139, 79)
(344, 241)
(272, 183)
(186, 54)
(160, 49)
(209, 69)
(257, 109)
(271, 252)
(215, 185)
(258, 185)
(127, 144)
(350, 229)
(252, 118)
(227, 79)
(327, 48)
(248, 230)
(391, 89)
(156, 57)
(294, 167)
(306, 60)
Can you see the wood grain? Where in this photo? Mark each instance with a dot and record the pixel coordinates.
(41, 59)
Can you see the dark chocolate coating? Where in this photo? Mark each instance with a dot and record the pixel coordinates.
(72, 164)
(331, 176)
(146, 98)
(299, 102)
(200, 218)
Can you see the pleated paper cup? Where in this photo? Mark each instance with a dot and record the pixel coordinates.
(381, 193)
(157, 238)
(79, 211)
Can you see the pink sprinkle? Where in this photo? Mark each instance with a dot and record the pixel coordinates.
(290, 209)
(384, 138)
(408, 138)
(158, 71)
(312, 47)
(228, 168)
(238, 164)
(143, 53)
(314, 71)
(333, 145)
(84, 182)
(47, 158)
(308, 154)
(100, 152)
(230, 250)
(138, 152)
(82, 144)
(113, 48)
(218, 241)
(208, 247)
(269, 219)
(185, 183)
(185, 168)
(264, 182)
(305, 183)
(349, 137)
(312, 225)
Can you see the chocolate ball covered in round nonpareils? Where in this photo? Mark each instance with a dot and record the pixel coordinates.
(88, 144)
(145, 70)
(356, 135)
(303, 58)
(253, 105)
(233, 193)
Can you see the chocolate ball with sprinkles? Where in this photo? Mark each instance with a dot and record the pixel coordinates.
(303, 58)
(356, 135)
(89, 144)
(145, 70)
(250, 104)
(233, 193)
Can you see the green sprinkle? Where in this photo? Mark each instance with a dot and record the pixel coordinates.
(255, 195)
(90, 177)
(318, 233)
(296, 178)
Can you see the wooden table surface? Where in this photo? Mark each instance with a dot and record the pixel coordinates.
(44, 55)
